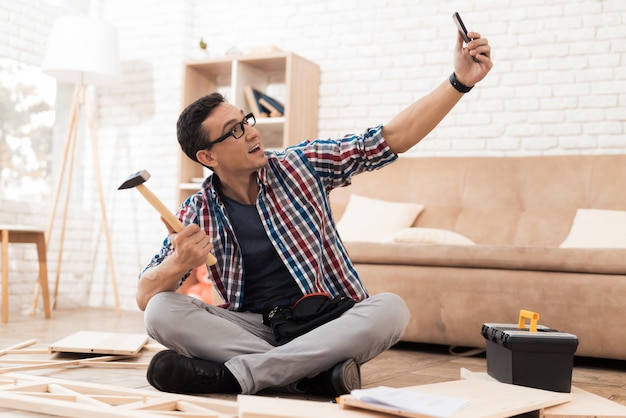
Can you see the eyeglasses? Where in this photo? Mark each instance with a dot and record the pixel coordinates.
(238, 129)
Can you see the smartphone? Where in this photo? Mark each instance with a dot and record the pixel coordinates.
(462, 29)
(459, 24)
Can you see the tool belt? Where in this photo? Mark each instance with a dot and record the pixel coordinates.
(309, 312)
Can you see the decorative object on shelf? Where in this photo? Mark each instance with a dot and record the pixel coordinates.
(83, 51)
(233, 50)
(202, 44)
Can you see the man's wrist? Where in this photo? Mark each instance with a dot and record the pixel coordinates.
(458, 86)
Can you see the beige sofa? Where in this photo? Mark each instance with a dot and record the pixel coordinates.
(518, 211)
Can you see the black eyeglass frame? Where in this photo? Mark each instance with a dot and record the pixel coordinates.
(244, 121)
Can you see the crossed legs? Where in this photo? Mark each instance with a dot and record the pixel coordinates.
(246, 347)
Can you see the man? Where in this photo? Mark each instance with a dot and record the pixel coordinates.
(266, 218)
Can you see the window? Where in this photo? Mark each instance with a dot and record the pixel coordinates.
(27, 99)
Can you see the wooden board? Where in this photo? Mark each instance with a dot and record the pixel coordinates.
(251, 406)
(96, 342)
(586, 405)
(488, 399)
(73, 399)
(583, 404)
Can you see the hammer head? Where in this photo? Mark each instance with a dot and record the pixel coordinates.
(135, 180)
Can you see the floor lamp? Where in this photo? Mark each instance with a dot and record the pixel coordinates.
(83, 51)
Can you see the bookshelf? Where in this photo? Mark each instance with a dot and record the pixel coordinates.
(285, 76)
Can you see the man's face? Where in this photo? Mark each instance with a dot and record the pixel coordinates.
(242, 155)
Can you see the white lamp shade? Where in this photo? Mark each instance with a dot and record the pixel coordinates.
(82, 49)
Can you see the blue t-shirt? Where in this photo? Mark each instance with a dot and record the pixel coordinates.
(265, 276)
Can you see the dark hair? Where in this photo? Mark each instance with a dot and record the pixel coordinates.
(192, 137)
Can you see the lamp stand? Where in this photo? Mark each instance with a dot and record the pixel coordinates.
(69, 150)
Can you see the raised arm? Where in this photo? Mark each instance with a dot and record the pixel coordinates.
(412, 124)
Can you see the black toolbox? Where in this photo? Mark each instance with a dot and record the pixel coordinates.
(534, 356)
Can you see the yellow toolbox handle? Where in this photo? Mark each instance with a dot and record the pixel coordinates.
(533, 316)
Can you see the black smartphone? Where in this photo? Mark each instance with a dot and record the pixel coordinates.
(461, 26)
(462, 29)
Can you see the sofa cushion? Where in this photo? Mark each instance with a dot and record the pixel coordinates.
(374, 220)
(430, 236)
(576, 260)
(596, 228)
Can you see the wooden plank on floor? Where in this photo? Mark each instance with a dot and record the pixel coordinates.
(582, 405)
(37, 365)
(45, 405)
(14, 347)
(487, 399)
(32, 393)
(97, 342)
(586, 405)
(251, 406)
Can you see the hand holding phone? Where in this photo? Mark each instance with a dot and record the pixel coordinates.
(462, 30)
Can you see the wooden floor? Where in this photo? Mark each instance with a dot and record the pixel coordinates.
(404, 365)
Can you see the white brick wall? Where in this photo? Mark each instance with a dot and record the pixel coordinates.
(558, 87)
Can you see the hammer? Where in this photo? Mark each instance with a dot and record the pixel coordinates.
(137, 181)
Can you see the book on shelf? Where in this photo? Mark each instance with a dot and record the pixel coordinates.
(275, 108)
(252, 100)
(263, 105)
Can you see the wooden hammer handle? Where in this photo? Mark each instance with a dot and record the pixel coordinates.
(169, 217)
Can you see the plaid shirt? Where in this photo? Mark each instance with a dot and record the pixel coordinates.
(293, 206)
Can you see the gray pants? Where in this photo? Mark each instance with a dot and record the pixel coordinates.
(246, 346)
